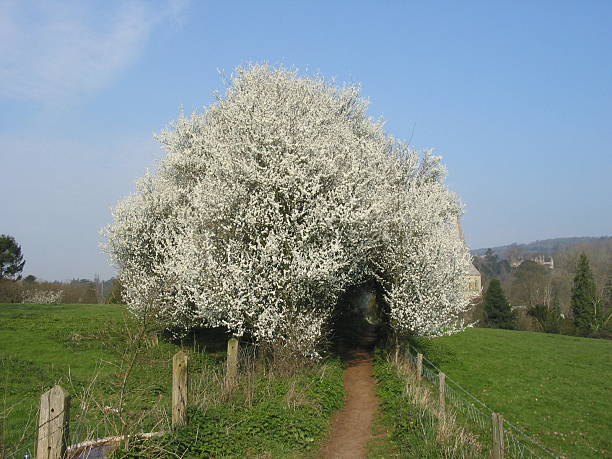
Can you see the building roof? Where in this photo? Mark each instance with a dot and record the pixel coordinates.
(472, 271)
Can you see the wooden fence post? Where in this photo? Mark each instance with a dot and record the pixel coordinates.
(419, 367)
(397, 349)
(442, 386)
(232, 363)
(179, 388)
(498, 436)
(53, 424)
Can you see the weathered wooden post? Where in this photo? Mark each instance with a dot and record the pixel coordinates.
(419, 367)
(408, 361)
(442, 386)
(179, 388)
(397, 349)
(498, 436)
(53, 424)
(232, 363)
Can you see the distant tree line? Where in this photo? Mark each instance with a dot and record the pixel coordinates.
(14, 289)
(75, 291)
(544, 247)
(573, 298)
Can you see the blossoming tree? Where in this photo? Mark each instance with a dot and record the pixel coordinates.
(275, 200)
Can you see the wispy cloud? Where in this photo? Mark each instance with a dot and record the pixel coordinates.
(53, 50)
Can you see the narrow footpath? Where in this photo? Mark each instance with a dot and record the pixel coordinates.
(352, 426)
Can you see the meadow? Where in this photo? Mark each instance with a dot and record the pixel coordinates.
(556, 388)
(120, 384)
(83, 348)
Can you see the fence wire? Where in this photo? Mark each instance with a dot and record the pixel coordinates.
(21, 453)
(478, 416)
(78, 432)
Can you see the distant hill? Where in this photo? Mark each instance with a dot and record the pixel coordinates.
(545, 247)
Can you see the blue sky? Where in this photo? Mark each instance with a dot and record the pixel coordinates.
(516, 96)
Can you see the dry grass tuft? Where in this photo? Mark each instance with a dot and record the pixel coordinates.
(453, 439)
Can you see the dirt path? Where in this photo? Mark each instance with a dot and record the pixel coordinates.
(352, 426)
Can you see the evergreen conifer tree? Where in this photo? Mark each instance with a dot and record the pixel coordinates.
(11, 259)
(498, 313)
(584, 298)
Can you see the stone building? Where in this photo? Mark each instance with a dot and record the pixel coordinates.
(473, 279)
(543, 260)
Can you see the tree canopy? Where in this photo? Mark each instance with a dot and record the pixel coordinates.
(529, 282)
(11, 259)
(490, 266)
(274, 201)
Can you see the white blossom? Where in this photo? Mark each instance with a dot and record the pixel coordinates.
(42, 297)
(275, 200)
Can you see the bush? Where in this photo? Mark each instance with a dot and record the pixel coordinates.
(10, 291)
(42, 297)
(546, 319)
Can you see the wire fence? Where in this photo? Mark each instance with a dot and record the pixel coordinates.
(84, 438)
(80, 431)
(477, 416)
(467, 408)
(90, 428)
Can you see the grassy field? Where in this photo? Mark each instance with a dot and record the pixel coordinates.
(87, 350)
(556, 388)
(84, 348)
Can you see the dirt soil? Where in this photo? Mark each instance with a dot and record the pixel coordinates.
(352, 426)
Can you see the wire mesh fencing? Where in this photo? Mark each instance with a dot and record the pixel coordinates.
(519, 444)
(509, 440)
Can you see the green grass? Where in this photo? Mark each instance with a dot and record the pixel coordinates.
(556, 388)
(411, 431)
(83, 348)
(80, 347)
(284, 416)
(409, 416)
(381, 445)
